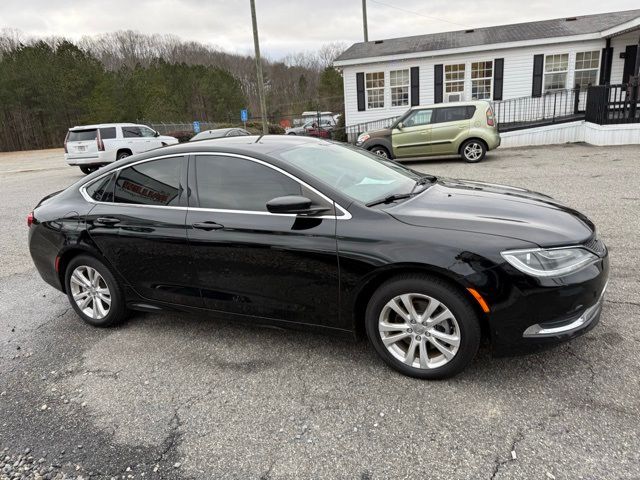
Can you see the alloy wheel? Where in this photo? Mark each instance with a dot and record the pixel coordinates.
(419, 331)
(90, 292)
(473, 151)
(380, 152)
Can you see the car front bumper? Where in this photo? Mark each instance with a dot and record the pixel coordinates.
(537, 313)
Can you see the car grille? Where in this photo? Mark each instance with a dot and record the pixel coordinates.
(596, 245)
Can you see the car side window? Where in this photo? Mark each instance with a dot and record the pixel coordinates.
(418, 117)
(108, 133)
(231, 183)
(131, 132)
(156, 182)
(147, 132)
(102, 190)
(454, 114)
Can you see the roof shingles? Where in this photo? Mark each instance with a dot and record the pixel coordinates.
(558, 27)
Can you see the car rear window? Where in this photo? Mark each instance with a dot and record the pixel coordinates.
(102, 190)
(454, 114)
(108, 133)
(82, 135)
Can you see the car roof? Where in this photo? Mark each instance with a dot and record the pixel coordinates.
(251, 145)
(105, 125)
(474, 103)
(219, 130)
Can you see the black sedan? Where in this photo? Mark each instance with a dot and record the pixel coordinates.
(303, 232)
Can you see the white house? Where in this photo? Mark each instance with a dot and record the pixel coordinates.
(383, 78)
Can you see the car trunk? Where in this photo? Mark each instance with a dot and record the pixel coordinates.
(80, 142)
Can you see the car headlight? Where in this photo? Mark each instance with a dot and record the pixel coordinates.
(552, 262)
(363, 137)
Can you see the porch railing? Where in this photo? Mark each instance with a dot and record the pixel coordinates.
(553, 107)
(611, 104)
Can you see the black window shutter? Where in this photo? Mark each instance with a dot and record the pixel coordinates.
(629, 62)
(498, 78)
(605, 65)
(538, 65)
(360, 90)
(415, 86)
(437, 83)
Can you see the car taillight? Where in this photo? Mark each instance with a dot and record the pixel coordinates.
(100, 142)
(30, 219)
(490, 118)
(66, 138)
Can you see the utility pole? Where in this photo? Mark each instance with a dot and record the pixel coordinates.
(364, 20)
(256, 44)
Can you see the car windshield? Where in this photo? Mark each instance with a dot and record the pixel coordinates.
(357, 173)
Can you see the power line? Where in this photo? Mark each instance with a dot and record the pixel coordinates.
(419, 14)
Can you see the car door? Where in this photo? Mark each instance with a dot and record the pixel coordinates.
(140, 229)
(450, 124)
(412, 136)
(151, 139)
(250, 261)
(133, 139)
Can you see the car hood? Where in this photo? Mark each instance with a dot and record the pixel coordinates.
(496, 210)
(383, 132)
(167, 139)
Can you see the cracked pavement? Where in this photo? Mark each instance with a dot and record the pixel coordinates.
(176, 396)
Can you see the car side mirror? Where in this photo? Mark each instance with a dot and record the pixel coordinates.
(293, 204)
(399, 125)
(157, 134)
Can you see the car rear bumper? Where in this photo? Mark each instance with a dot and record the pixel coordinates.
(95, 158)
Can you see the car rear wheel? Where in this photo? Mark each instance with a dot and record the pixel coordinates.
(473, 151)
(380, 151)
(94, 293)
(422, 327)
(88, 170)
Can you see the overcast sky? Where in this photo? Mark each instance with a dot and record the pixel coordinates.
(285, 26)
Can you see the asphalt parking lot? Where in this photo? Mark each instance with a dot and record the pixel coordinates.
(171, 396)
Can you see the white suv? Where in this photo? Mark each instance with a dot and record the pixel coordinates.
(91, 146)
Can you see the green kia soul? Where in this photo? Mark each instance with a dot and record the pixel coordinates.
(468, 129)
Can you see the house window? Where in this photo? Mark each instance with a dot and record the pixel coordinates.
(375, 89)
(587, 66)
(399, 81)
(555, 71)
(481, 78)
(454, 78)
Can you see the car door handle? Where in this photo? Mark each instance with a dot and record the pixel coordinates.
(106, 221)
(208, 226)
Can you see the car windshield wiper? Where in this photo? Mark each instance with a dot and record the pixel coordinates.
(401, 196)
(389, 199)
(423, 180)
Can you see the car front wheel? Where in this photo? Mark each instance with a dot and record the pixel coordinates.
(94, 293)
(422, 327)
(473, 151)
(380, 151)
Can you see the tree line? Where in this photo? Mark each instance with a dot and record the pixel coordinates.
(48, 85)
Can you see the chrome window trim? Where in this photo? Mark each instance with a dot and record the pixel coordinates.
(344, 214)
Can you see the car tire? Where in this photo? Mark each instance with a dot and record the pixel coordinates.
(473, 151)
(380, 151)
(88, 170)
(291, 133)
(122, 155)
(94, 292)
(459, 325)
